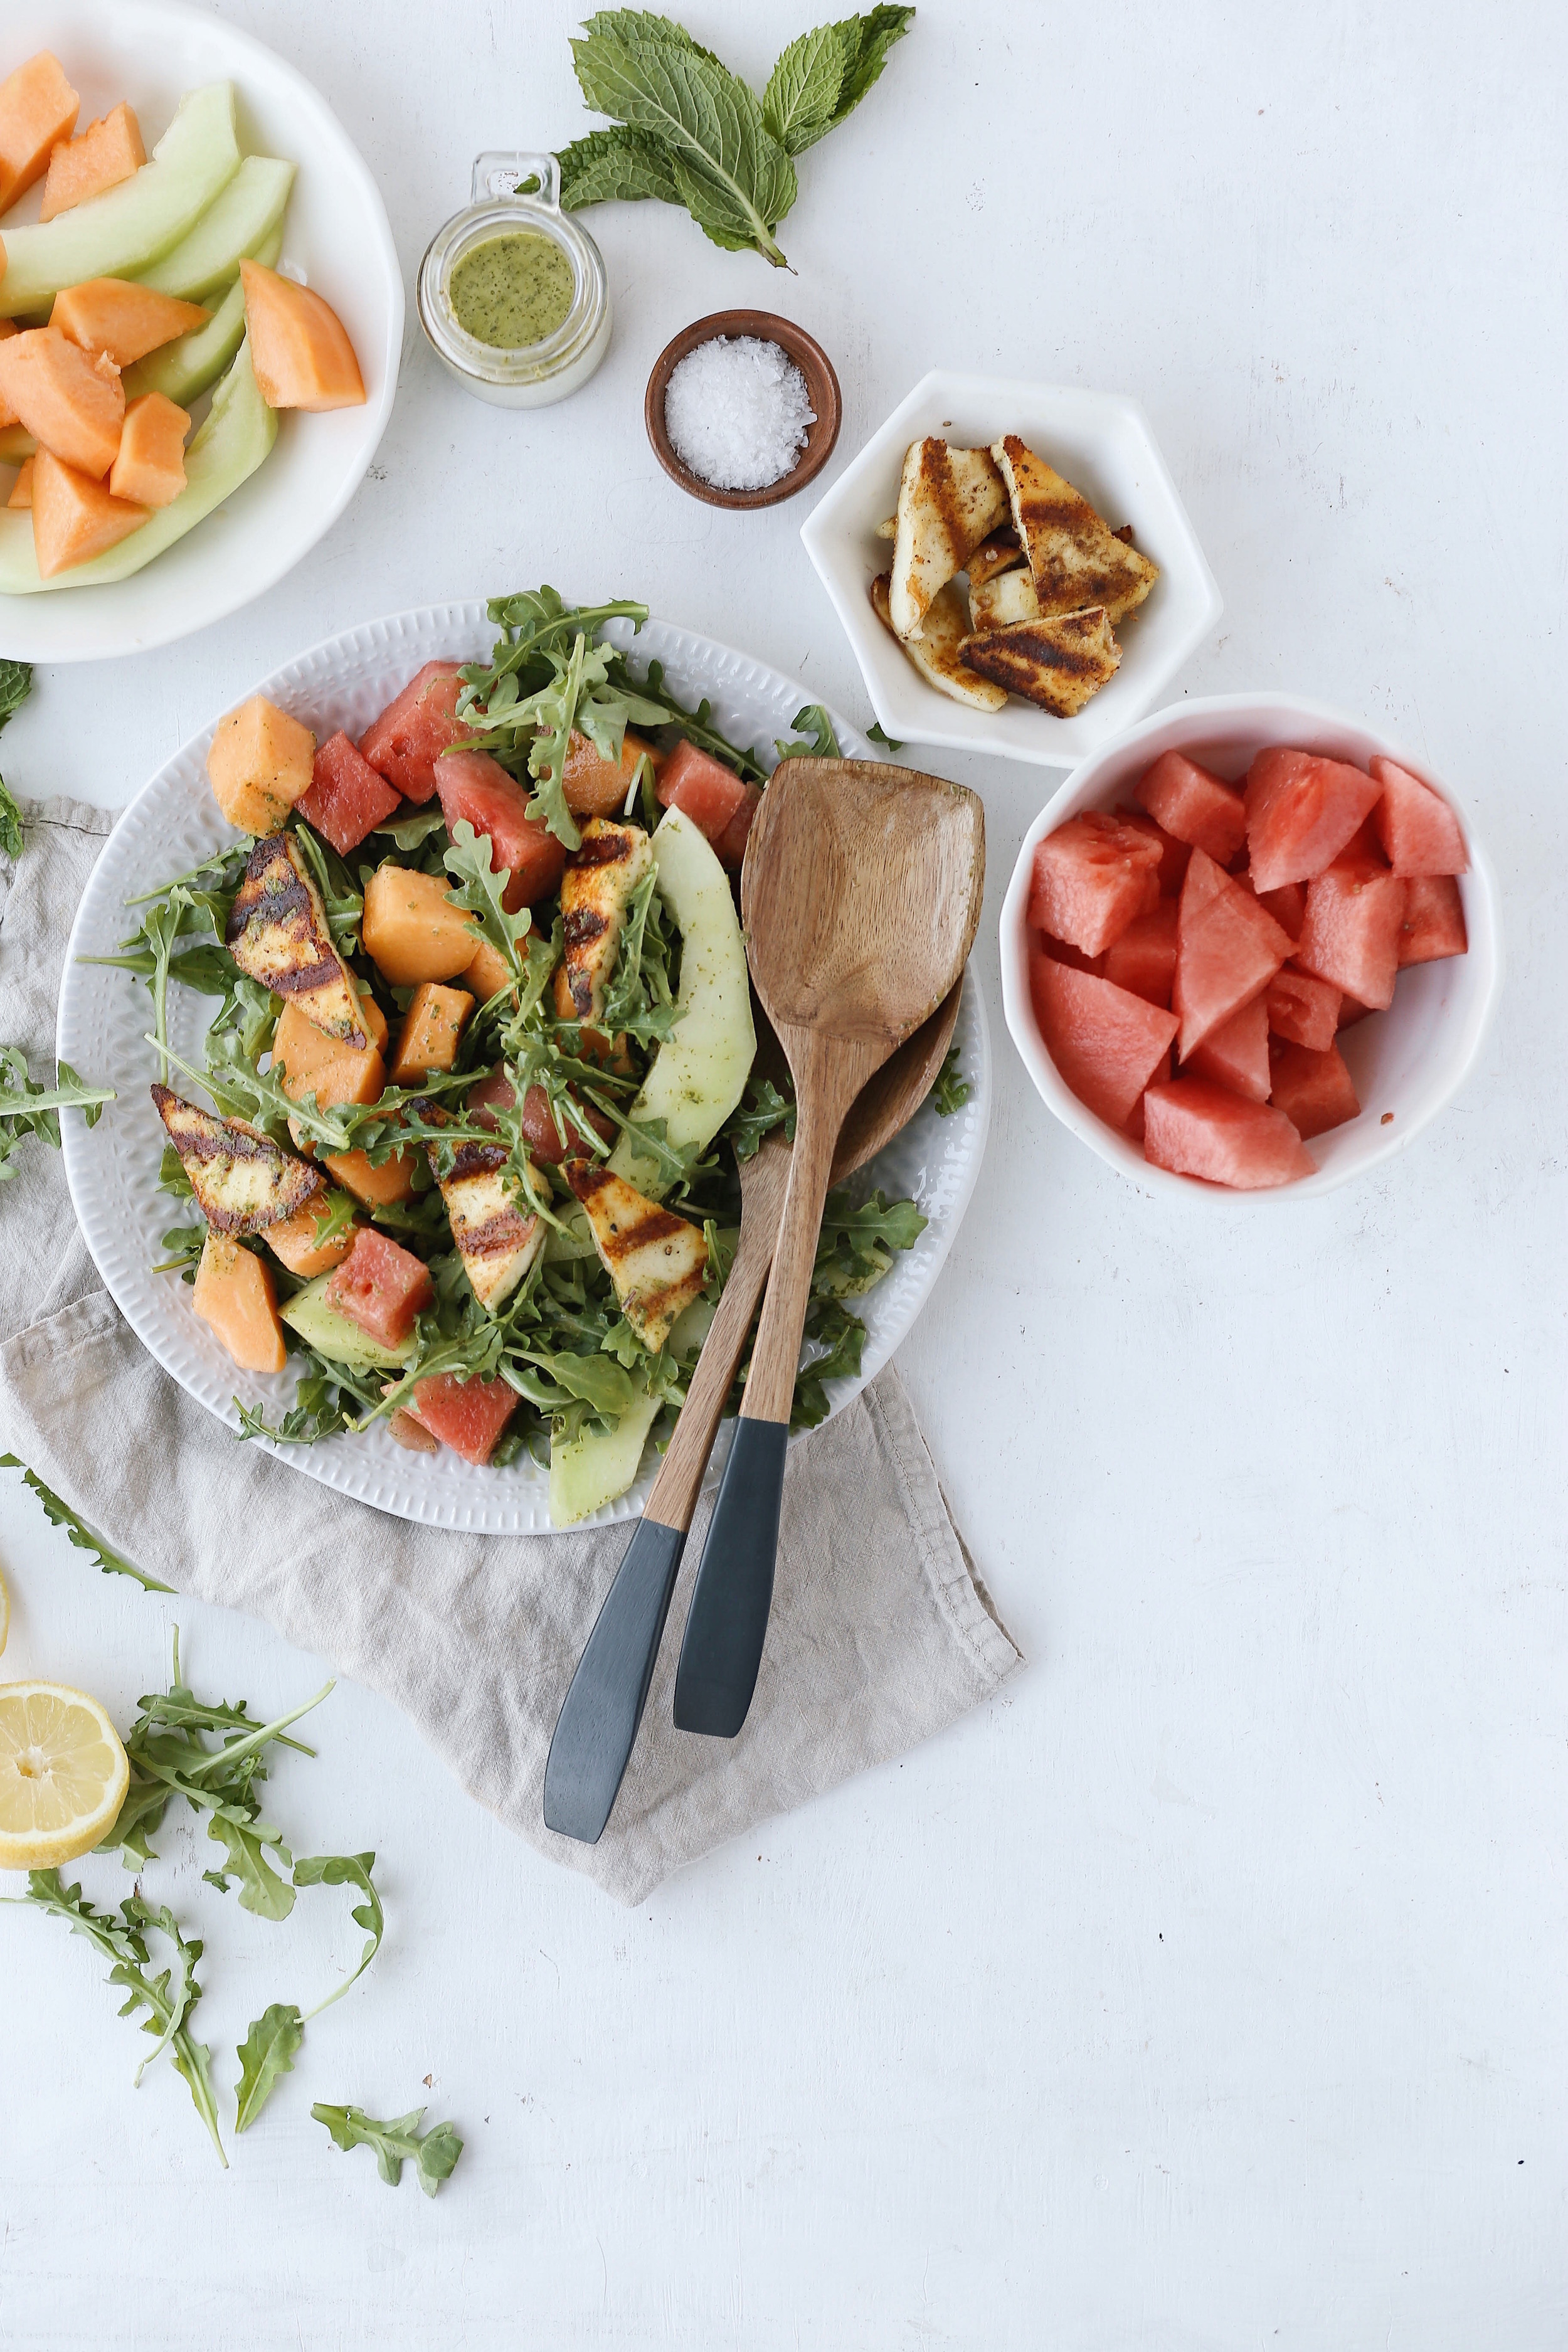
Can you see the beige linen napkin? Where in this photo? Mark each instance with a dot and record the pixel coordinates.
(881, 1630)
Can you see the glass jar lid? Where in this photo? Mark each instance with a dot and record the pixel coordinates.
(512, 193)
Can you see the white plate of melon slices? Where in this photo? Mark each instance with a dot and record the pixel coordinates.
(263, 485)
(112, 1168)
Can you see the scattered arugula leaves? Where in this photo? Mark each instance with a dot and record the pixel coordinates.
(951, 1089)
(821, 742)
(689, 132)
(274, 2039)
(15, 685)
(60, 1514)
(27, 1108)
(434, 2153)
(876, 733)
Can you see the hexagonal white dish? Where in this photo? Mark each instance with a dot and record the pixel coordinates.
(1105, 446)
(112, 1168)
(336, 237)
(1407, 1064)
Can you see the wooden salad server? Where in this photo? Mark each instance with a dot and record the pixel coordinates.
(860, 894)
(597, 1726)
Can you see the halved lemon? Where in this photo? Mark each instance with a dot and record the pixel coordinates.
(63, 1775)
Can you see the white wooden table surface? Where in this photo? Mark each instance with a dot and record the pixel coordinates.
(1205, 1990)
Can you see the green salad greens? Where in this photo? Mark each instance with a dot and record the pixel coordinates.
(566, 1340)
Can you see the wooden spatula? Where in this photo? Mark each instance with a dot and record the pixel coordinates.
(597, 1726)
(860, 894)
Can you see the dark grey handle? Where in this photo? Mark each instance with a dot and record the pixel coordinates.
(597, 1726)
(728, 1622)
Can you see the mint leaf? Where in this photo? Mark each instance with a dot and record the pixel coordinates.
(879, 31)
(10, 821)
(800, 104)
(266, 2055)
(616, 165)
(734, 177)
(435, 2153)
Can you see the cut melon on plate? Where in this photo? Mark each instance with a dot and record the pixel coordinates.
(1315, 1091)
(1434, 923)
(1106, 1042)
(1092, 877)
(1227, 948)
(1236, 1055)
(1196, 1129)
(1355, 915)
(1301, 810)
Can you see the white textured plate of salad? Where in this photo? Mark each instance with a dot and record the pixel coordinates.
(436, 1187)
(247, 172)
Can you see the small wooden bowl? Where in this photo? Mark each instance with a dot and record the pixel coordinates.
(820, 382)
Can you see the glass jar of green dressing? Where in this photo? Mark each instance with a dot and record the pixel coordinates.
(511, 293)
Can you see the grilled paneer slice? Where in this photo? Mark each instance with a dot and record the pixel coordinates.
(242, 1180)
(1077, 559)
(949, 500)
(1058, 661)
(1005, 597)
(497, 1238)
(277, 933)
(1000, 552)
(595, 891)
(934, 652)
(656, 1261)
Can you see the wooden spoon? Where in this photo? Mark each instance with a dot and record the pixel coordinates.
(597, 1726)
(860, 894)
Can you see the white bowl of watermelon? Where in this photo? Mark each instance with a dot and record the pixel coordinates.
(1250, 949)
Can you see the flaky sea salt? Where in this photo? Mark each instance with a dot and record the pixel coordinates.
(736, 410)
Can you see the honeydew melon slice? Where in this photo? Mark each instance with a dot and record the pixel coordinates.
(128, 228)
(700, 1071)
(238, 436)
(591, 1468)
(235, 225)
(337, 1335)
(182, 370)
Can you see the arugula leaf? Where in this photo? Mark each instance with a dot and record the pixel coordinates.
(266, 2055)
(762, 1109)
(614, 165)
(875, 733)
(800, 104)
(15, 685)
(479, 893)
(951, 1089)
(168, 1998)
(187, 1241)
(346, 1870)
(734, 178)
(410, 832)
(27, 1108)
(640, 1002)
(247, 1859)
(435, 2153)
(343, 904)
(60, 1514)
(822, 743)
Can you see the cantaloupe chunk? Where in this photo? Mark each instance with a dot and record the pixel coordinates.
(107, 152)
(412, 930)
(299, 345)
(260, 764)
(73, 403)
(149, 466)
(378, 1188)
(22, 487)
(126, 321)
(235, 1294)
(307, 1062)
(372, 1020)
(73, 518)
(431, 1030)
(38, 107)
(293, 1240)
(488, 973)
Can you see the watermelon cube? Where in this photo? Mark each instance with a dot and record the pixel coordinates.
(1059, 952)
(1195, 806)
(347, 798)
(702, 788)
(1143, 959)
(1229, 948)
(405, 744)
(381, 1287)
(1355, 914)
(1313, 1090)
(1350, 1012)
(730, 847)
(1174, 853)
(1287, 905)
(1106, 1042)
(1418, 829)
(477, 790)
(1094, 876)
(1303, 1010)
(1196, 1129)
(1236, 1055)
(466, 1415)
(1434, 924)
(1300, 811)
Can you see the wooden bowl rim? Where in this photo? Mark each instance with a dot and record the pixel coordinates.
(821, 382)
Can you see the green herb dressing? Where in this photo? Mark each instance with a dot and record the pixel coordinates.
(512, 290)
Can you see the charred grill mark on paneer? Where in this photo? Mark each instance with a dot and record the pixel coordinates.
(277, 934)
(243, 1182)
(656, 1261)
(595, 892)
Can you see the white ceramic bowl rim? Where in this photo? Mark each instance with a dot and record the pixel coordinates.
(1474, 981)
